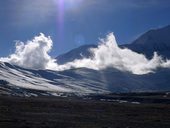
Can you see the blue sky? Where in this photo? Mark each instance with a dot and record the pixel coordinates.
(72, 23)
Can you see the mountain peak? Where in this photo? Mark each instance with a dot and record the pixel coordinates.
(155, 40)
(155, 36)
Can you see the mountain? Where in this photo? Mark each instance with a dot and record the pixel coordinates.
(77, 53)
(15, 80)
(19, 81)
(154, 40)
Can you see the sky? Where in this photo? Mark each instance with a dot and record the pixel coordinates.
(72, 23)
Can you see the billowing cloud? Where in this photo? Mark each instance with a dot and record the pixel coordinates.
(34, 54)
(108, 54)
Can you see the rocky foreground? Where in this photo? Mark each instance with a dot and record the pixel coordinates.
(104, 111)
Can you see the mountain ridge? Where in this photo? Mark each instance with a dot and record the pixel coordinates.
(154, 40)
(16, 80)
(82, 81)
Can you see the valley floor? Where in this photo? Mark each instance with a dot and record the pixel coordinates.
(57, 112)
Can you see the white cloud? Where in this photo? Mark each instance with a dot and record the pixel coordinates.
(34, 54)
(108, 54)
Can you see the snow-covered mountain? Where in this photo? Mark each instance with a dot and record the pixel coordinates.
(15, 80)
(155, 40)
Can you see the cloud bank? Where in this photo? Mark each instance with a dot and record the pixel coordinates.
(108, 54)
(35, 55)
